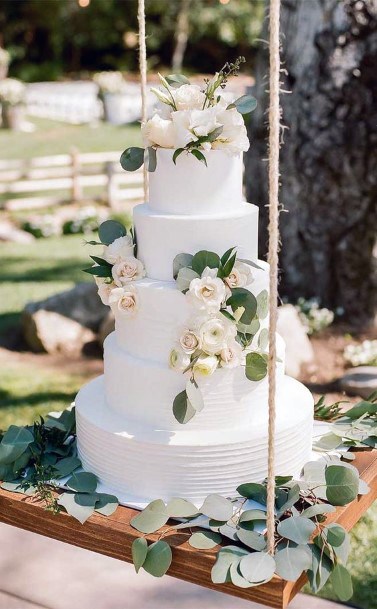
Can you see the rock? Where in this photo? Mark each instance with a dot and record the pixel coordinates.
(55, 333)
(299, 350)
(80, 304)
(361, 381)
(106, 327)
(9, 232)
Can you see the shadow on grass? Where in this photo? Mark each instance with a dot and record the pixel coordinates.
(64, 270)
(34, 399)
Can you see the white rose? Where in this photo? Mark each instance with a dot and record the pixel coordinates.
(189, 97)
(127, 270)
(215, 334)
(178, 359)
(232, 355)
(104, 291)
(119, 249)
(206, 293)
(240, 276)
(189, 341)
(233, 138)
(126, 299)
(189, 125)
(205, 365)
(182, 133)
(158, 131)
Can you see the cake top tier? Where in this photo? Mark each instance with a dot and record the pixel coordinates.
(193, 144)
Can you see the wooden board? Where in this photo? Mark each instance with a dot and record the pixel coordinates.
(113, 537)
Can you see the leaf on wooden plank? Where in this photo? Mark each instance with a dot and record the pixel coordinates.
(205, 540)
(217, 507)
(158, 559)
(139, 550)
(152, 518)
(83, 482)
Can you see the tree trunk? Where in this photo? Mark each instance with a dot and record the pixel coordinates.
(329, 156)
(181, 36)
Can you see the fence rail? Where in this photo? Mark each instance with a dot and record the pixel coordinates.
(69, 174)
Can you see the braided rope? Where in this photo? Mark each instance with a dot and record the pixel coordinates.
(273, 248)
(143, 78)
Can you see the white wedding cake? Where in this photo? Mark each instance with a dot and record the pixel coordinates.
(181, 410)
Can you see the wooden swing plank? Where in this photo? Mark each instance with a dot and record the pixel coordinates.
(113, 536)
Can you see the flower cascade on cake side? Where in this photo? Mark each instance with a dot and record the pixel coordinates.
(117, 271)
(191, 119)
(224, 322)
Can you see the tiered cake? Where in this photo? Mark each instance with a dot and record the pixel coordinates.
(126, 430)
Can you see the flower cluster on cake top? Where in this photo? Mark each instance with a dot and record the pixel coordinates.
(193, 119)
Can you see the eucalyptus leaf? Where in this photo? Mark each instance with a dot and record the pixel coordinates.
(257, 567)
(204, 259)
(70, 502)
(22, 461)
(251, 263)
(217, 507)
(320, 570)
(335, 534)
(253, 540)
(342, 484)
(204, 540)
(256, 366)
(291, 562)
(244, 104)
(184, 278)
(152, 518)
(263, 339)
(66, 466)
(139, 550)
(236, 577)
(106, 504)
(181, 508)
(225, 557)
(150, 159)
(360, 409)
(291, 499)
(83, 482)
(132, 159)
(251, 516)
(241, 297)
(253, 490)
(296, 528)
(181, 261)
(262, 304)
(318, 509)
(110, 230)
(15, 487)
(342, 582)
(177, 80)
(14, 443)
(194, 395)
(158, 559)
(182, 408)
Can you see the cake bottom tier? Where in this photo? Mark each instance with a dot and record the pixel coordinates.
(131, 462)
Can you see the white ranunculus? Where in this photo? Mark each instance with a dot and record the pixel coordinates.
(178, 359)
(104, 290)
(127, 270)
(232, 355)
(215, 334)
(189, 341)
(119, 249)
(126, 299)
(205, 365)
(240, 276)
(233, 138)
(188, 97)
(207, 293)
(158, 132)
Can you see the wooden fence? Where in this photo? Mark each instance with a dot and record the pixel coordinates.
(70, 174)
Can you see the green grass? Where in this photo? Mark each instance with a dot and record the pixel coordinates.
(52, 137)
(37, 270)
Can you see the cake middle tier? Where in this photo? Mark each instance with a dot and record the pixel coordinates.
(160, 237)
(144, 391)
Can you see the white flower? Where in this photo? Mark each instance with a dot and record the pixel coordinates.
(215, 334)
(126, 299)
(127, 270)
(104, 290)
(159, 131)
(189, 341)
(240, 276)
(233, 138)
(178, 359)
(188, 97)
(189, 125)
(205, 365)
(119, 250)
(12, 91)
(232, 355)
(206, 293)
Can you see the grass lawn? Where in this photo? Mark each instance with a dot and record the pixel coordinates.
(52, 137)
(29, 387)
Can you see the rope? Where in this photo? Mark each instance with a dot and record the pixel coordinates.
(273, 248)
(143, 78)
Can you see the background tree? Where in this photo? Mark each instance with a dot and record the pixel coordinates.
(329, 157)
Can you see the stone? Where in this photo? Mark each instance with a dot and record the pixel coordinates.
(54, 333)
(360, 381)
(80, 304)
(298, 348)
(106, 327)
(10, 233)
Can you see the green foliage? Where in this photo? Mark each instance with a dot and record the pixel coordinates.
(244, 104)
(183, 410)
(204, 259)
(256, 366)
(132, 158)
(243, 298)
(204, 540)
(110, 230)
(139, 552)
